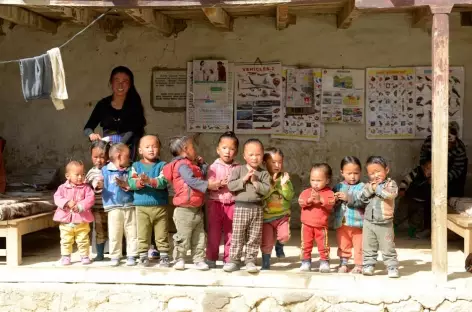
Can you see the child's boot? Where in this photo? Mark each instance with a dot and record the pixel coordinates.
(265, 262)
(100, 252)
(279, 250)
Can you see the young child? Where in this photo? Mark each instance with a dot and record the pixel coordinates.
(349, 215)
(277, 205)
(118, 203)
(151, 199)
(379, 195)
(317, 203)
(250, 184)
(99, 150)
(186, 172)
(74, 200)
(220, 204)
(415, 199)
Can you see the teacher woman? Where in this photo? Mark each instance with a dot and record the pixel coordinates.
(121, 115)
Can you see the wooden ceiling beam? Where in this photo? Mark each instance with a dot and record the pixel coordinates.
(27, 18)
(81, 16)
(347, 15)
(154, 19)
(219, 18)
(422, 18)
(466, 19)
(390, 4)
(283, 19)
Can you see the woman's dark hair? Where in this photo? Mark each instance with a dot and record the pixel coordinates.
(102, 145)
(272, 151)
(133, 103)
(350, 160)
(426, 159)
(377, 160)
(250, 141)
(177, 145)
(325, 167)
(229, 135)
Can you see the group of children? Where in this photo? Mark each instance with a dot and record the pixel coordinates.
(249, 204)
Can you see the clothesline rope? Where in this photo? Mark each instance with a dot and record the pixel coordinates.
(68, 41)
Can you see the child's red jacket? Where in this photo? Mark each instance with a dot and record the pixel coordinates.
(317, 214)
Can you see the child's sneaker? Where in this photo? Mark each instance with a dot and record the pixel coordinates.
(393, 272)
(65, 260)
(230, 267)
(153, 253)
(324, 266)
(357, 269)
(115, 262)
(251, 268)
(211, 264)
(144, 261)
(179, 265)
(164, 262)
(368, 270)
(85, 260)
(343, 268)
(131, 261)
(306, 266)
(202, 266)
(279, 250)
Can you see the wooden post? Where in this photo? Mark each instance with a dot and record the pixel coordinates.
(440, 55)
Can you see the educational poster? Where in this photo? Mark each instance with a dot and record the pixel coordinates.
(169, 88)
(342, 99)
(305, 127)
(209, 100)
(390, 103)
(258, 98)
(423, 100)
(299, 92)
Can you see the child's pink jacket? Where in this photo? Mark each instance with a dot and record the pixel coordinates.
(82, 194)
(220, 171)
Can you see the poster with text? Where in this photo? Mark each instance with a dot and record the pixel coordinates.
(209, 99)
(390, 103)
(423, 99)
(209, 104)
(342, 98)
(169, 88)
(258, 98)
(305, 127)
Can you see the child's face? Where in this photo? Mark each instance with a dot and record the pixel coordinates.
(226, 150)
(427, 169)
(253, 153)
(318, 179)
(274, 163)
(377, 173)
(75, 175)
(99, 157)
(351, 173)
(149, 148)
(190, 151)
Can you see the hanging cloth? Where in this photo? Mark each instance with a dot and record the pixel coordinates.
(36, 77)
(59, 90)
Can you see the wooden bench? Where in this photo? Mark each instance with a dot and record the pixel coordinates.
(462, 226)
(14, 229)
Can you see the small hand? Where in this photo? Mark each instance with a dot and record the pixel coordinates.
(144, 178)
(99, 185)
(341, 196)
(71, 204)
(95, 137)
(75, 209)
(224, 182)
(199, 160)
(373, 185)
(248, 175)
(254, 178)
(285, 178)
(213, 184)
(315, 196)
(123, 184)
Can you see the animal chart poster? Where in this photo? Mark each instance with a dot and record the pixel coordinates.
(304, 127)
(423, 100)
(390, 103)
(258, 98)
(343, 96)
(209, 96)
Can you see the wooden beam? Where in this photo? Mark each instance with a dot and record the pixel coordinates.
(347, 15)
(466, 19)
(388, 4)
(81, 16)
(440, 93)
(219, 18)
(27, 18)
(152, 18)
(422, 18)
(111, 26)
(283, 18)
